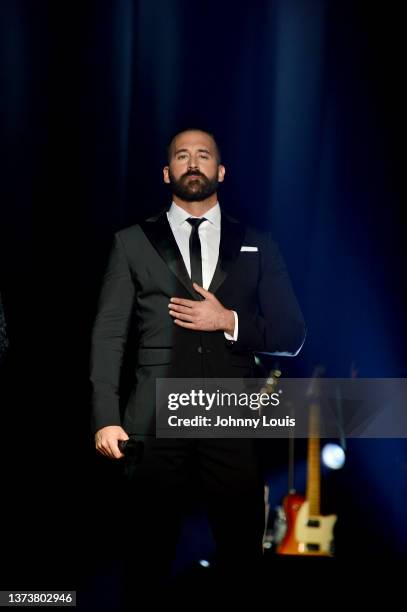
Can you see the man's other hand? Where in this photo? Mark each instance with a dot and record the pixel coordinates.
(107, 439)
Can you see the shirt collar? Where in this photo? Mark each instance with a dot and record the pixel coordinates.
(178, 216)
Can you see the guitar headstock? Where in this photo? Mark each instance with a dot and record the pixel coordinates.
(313, 390)
(271, 381)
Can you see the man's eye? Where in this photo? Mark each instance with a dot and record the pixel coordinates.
(181, 156)
(205, 156)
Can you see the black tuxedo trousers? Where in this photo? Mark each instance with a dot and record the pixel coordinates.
(164, 486)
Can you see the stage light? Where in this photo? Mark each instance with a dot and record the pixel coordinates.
(204, 563)
(333, 456)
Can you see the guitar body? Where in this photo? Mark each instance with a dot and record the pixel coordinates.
(291, 504)
(308, 535)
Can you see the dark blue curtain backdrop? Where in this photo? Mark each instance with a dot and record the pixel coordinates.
(306, 100)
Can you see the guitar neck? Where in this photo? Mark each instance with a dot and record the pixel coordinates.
(314, 464)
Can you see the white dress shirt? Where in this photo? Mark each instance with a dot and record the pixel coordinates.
(209, 235)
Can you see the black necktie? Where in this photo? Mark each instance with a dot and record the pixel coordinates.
(195, 250)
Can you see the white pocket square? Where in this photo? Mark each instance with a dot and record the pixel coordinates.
(248, 248)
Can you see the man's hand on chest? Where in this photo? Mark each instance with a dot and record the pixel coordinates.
(204, 315)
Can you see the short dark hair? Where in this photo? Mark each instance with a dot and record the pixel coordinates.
(192, 129)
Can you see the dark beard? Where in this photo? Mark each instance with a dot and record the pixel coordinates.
(195, 190)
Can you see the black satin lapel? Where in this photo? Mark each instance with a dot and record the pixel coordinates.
(232, 234)
(159, 233)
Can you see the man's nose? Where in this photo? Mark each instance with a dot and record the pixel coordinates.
(194, 161)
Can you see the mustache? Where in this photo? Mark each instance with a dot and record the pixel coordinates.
(193, 173)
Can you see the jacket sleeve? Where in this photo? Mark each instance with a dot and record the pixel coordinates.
(278, 326)
(109, 338)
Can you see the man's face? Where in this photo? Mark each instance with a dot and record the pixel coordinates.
(193, 171)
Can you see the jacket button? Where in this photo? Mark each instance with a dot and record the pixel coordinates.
(208, 350)
(200, 349)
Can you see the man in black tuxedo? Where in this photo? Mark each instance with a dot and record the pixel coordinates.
(204, 292)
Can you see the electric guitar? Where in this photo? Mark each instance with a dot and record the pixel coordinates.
(308, 532)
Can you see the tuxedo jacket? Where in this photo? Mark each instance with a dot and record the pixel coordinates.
(144, 271)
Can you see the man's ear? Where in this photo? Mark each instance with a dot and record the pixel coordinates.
(221, 173)
(166, 174)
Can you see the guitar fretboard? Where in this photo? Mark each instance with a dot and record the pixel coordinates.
(314, 466)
